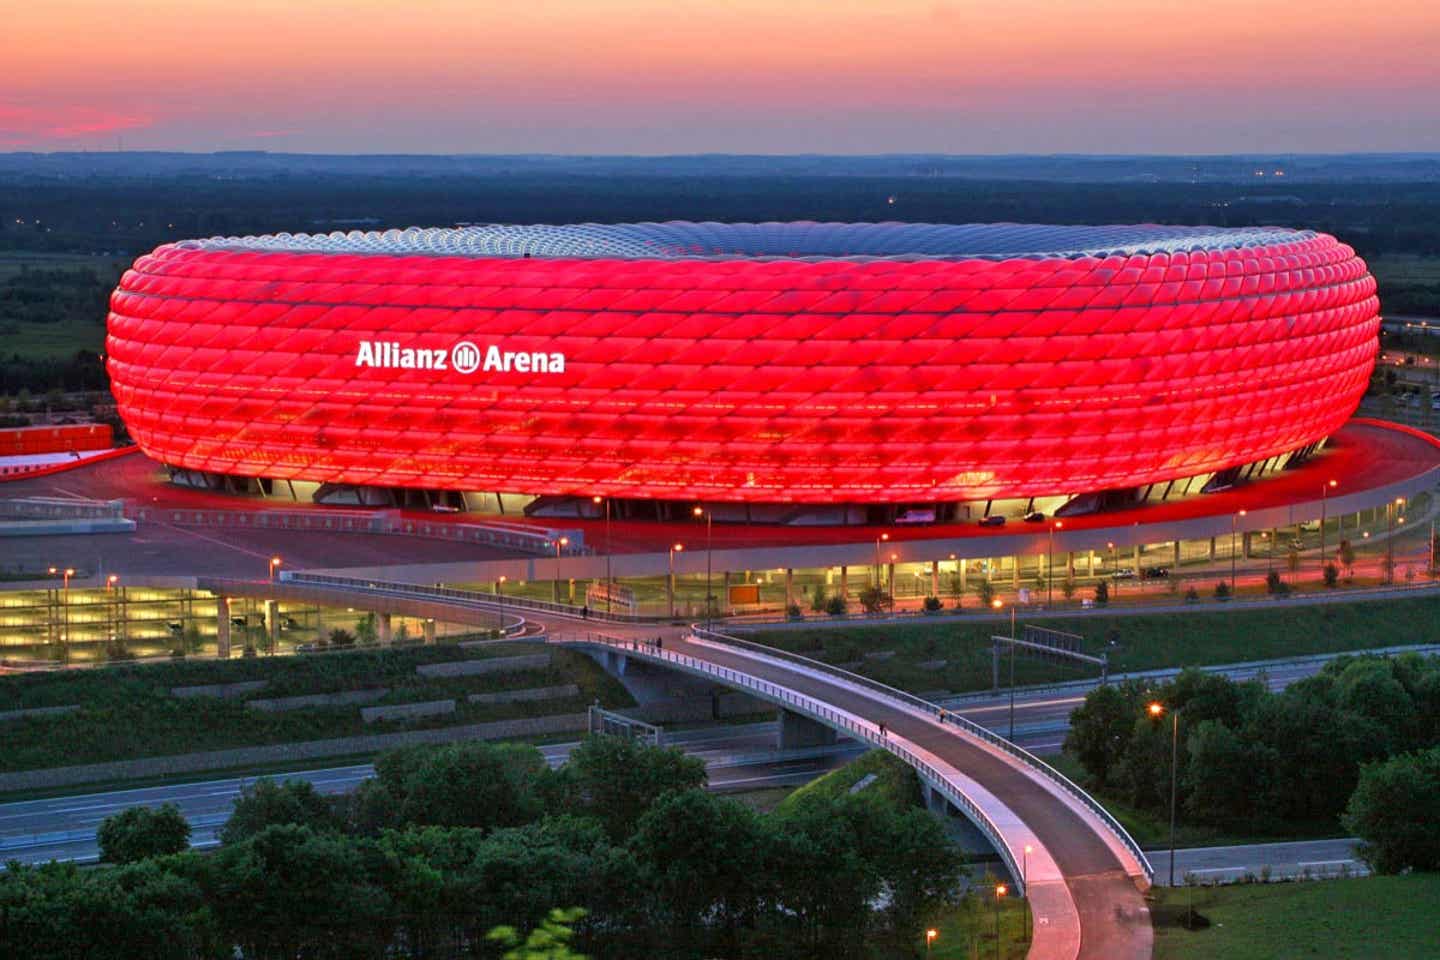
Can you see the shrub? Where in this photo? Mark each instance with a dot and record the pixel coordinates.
(1275, 586)
(932, 605)
(140, 833)
(1102, 593)
(817, 599)
(836, 606)
(1331, 574)
(1392, 811)
(985, 590)
(1192, 595)
(1222, 590)
(793, 611)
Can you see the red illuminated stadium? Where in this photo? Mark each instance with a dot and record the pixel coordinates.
(780, 363)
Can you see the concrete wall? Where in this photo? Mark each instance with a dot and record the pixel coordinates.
(286, 752)
(530, 693)
(38, 712)
(282, 704)
(407, 711)
(475, 668)
(225, 691)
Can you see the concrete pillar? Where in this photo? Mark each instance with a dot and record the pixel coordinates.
(964, 576)
(890, 578)
(572, 590)
(1091, 569)
(800, 731)
(1176, 564)
(222, 627)
(1015, 571)
(1245, 544)
(845, 582)
(429, 631)
(789, 586)
(382, 628)
(1212, 549)
(1070, 563)
(272, 626)
(934, 578)
(1137, 560)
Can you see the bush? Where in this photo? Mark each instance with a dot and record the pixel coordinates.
(793, 612)
(1392, 811)
(1331, 574)
(140, 833)
(932, 605)
(985, 590)
(836, 606)
(875, 600)
(1192, 595)
(268, 802)
(1222, 590)
(1102, 593)
(1275, 586)
(817, 599)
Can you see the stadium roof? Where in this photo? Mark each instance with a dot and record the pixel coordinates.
(800, 240)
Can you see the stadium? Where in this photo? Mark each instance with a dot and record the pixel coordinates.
(871, 371)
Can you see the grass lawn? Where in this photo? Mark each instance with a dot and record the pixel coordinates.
(1132, 642)
(895, 784)
(1393, 917)
(128, 712)
(968, 930)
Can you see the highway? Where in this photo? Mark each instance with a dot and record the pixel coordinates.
(741, 757)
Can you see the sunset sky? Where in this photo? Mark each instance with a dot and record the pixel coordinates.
(742, 76)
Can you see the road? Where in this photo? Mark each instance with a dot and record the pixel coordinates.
(741, 757)
(1316, 858)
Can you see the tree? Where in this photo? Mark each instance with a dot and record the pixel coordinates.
(1068, 587)
(366, 631)
(268, 802)
(932, 605)
(1102, 593)
(1392, 811)
(1331, 575)
(549, 941)
(615, 779)
(985, 590)
(1222, 590)
(1274, 585)
(817, 599)
(1347, 558)
(1223, 775)
(706, 858)
(875, 600)
(139, 833)
(1101, 727)
(836, 606)
(1292, 560)
(474, 784)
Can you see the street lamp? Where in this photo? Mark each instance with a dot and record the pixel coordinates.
(609, 581)
(999, 895)
(555, 586)
(1324, 491)
(878, 541)
(709, 516)
(1050, 566)
(670, 582)
(111, 595)
(1115, 582)
(1025, 880)
(500, 597)
(274, 562)
(1156, 711)
(997, 603)
(930, 936)
(1233, 518)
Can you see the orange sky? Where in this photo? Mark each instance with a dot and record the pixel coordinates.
(658, 76)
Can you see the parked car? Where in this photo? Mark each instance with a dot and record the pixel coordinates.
(994, 520)
(1156, 573)
(1034, 516)
(1124, 573)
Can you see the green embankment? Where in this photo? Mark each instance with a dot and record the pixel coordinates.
(1357, 919)
(1132, 642)
(128, 712)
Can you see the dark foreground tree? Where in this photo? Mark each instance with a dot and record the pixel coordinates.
(1392, 811)
(614, 780)
(140, 833)
(269, 802)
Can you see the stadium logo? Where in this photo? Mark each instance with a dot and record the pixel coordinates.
(464, 358)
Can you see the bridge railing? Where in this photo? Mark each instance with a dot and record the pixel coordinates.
(863, 730)
(934, 710)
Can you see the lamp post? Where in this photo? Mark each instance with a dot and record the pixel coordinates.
(709, 525)
(1324, 490)
(1156, 711)
(112, 603)
(997, 603)
(999, 895)
(878, 540)
(609, 581)
(500, 597)
(67, 573)
(670, 583)
(1114, 581)
(1233, 518)
(1025, 880)
(274, 562)
(1390, 514)
(555, 585)
(1050, 566)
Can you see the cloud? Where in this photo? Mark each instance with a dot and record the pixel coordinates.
(22, 126)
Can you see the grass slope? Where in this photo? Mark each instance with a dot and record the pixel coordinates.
(1132, 642)
(1392, 917)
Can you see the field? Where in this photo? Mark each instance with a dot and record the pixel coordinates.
(53, 318)
(956, 656)
(1392, 917)
(128, 712)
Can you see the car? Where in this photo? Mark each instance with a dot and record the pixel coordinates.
(1156, 573)
(1124, 573)
(1034, 516)
(994, 520)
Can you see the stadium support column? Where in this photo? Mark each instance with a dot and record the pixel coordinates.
(272, 614)
(382, 628)
(1212, 549)
(1015, 572)
(789, 587)
(964, 577)
(222, 628)
(1137, 560)
(845, 583)
(1245, 545)
(722, 602)
(934, 578)
(429, 630)
(1175, 565)
(1091, 567)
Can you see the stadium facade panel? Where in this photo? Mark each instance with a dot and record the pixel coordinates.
(806, 363)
